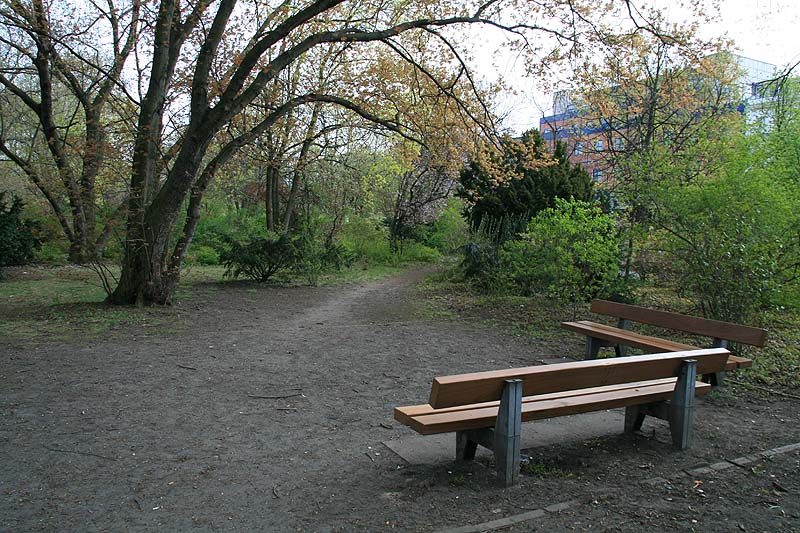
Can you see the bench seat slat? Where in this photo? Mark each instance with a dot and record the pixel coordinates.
(536, 408)
(735, 362)
(630, 338)
(643, 342)
(404, 414)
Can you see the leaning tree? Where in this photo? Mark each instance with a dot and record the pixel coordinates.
(228, 53)
(200, 64)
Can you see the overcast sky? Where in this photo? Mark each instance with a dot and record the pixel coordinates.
(766, 30)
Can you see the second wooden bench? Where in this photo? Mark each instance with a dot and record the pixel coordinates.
(721, 333)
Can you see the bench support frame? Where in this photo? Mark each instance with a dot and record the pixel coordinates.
(679, 411)
(503, 439)
(716, 378)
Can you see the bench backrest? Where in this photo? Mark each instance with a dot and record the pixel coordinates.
(691, 324)
(465, 389)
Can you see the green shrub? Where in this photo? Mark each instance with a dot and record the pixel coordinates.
(480, 260)
(315, 255)
(416, 252)
(202, 255)
(260, 258)
(220, 220)
(368, 241)
(733, 243)
(450, 231)
(17, 241)
(570, 252)
(53, 253)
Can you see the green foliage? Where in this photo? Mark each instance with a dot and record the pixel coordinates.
(316, 255)
(303, 253)
(220, 220)
(512, 186)
(480, 256)
(201, 254)
(450, 230)
(733, 240)
(17, 240)
(417, 252)
(260, 258)
(53, 252)
(570, 251)
(368, 241)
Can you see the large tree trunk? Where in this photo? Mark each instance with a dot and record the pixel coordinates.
(146, 276)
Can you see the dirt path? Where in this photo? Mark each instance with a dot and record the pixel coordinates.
(265, 408)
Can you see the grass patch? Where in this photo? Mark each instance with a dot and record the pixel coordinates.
(535, 317)
(362, 274)
(60, 304)
(543, 470)
(63, 303)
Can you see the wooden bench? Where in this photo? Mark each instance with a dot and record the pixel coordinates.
(721, 333)
(488, 408)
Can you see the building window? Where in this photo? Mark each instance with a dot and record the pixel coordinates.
(618, 144)
(598, 146)
(597, 174)
(578, 148)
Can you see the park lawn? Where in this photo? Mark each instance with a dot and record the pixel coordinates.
(40, 304)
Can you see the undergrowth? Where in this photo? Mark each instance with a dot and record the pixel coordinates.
(774, 366)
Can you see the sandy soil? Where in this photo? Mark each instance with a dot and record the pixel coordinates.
(264, 408)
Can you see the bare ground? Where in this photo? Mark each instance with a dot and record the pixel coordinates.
(263, 408)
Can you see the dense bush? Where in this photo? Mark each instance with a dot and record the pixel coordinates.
(480, 255)
(733, 243)
(260, 258)
(201, 254)
(220, 221)
(511, 186)
(450, 231)
(480, 264)
(570, 252)
(17, 241)
(367, 240)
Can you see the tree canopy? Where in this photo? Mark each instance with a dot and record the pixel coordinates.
(510, 186)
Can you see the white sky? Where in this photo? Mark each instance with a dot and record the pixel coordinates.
(766, 30)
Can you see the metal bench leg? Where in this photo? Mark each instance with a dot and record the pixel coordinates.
(507, 433)
(634, 418)
(620, 349)
(592, 347)
(465, 447)
(716, 378)
(681, 408)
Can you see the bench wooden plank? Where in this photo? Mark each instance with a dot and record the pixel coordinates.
(535, 408)
(735, 362)
(405, 413)
(643, 342)
(449, 391)
(629, 338)
(691, 324)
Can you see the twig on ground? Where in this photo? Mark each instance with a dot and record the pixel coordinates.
(79, 453)
(286, 408)
(184, 366)
(259, 397)
(370, 456)
(765, 389)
